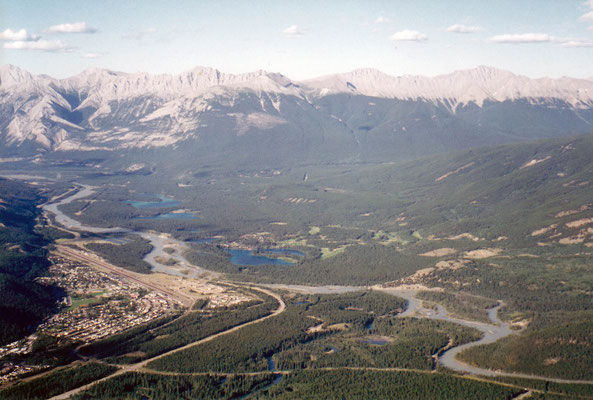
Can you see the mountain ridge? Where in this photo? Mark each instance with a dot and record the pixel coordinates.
(485, 77)
(471, 85)
(364, 114)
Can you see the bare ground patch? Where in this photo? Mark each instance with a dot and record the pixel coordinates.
(482, 253)
(445, 251)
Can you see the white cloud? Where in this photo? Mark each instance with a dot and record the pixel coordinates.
(586, 17)
(74, 27)
(541, 38)
(41, 45)
(381, 20)
(459, 28)
(408, 36)
(293, 30)
(9, 34)
(578, 43)
(91, 55)
(523, 38)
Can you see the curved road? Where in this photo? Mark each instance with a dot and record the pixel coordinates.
(142, 364)
(157, 240)
(492, 332)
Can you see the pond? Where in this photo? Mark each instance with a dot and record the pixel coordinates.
(249, 258)
(162, 202)
(271, 364)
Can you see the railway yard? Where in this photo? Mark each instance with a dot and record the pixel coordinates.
(102, 300)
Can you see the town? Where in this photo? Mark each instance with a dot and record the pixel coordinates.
(97, 305)
(100, 303)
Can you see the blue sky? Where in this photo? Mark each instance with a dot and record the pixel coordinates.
(299, 39)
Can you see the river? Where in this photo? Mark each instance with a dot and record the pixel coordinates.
(158, 240)
(492, 332)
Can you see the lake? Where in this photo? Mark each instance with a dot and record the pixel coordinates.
(249, 258)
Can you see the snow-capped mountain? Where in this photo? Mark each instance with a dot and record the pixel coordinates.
(458, 88)
(364, 114)
(126, 110)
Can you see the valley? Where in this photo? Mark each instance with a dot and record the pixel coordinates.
(424, 269)
(212, 235)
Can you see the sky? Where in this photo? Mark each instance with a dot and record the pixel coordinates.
(300, 39)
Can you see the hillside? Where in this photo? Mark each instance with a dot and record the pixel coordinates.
(23, 301)
(266, 119)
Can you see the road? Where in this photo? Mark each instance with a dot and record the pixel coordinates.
(156, 240)
(492, 332)
(142, 364)
(80, 256)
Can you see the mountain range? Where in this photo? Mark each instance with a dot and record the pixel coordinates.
(262, 117)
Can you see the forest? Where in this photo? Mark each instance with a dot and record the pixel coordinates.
(560, 348)
(322, 331)
(23, 301)
(128, 255)
(461, 305)
(347, 384)
(171, 332)
(133, 385)
(56, 382)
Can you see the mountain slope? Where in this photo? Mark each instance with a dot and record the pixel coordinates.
(458, 88)
(23, 301)
(265, 118)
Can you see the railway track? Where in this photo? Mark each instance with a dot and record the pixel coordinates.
(79, 256)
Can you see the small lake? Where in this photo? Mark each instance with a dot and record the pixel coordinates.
(162, 202)
(250, 258)
(271, 364)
